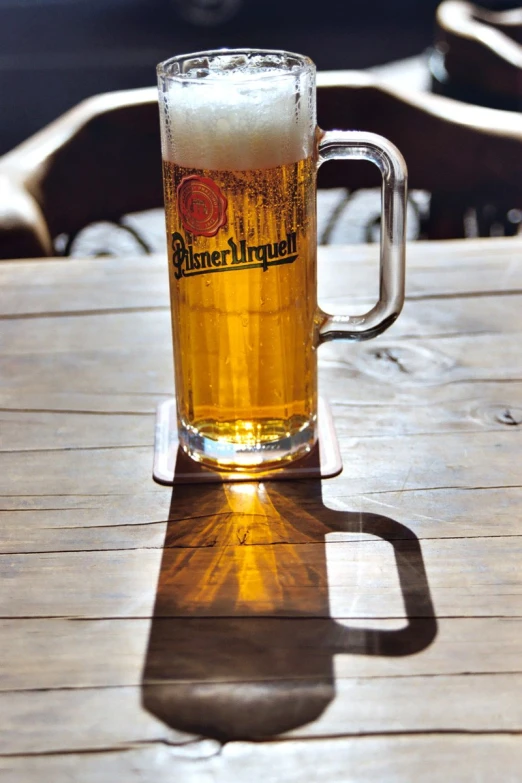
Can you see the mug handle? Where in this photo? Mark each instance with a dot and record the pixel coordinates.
(358, 145)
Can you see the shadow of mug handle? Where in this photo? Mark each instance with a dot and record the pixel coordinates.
(421, 624)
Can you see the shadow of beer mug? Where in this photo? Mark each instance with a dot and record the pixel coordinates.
(242, 643)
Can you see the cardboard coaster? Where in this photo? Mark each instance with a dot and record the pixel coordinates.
(173, 466)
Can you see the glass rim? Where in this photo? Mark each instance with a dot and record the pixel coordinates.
(303, 64)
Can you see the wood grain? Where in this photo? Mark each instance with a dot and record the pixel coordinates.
(471, 645)
(371, 465)
(373, 620)
(139, 521)
(479, 577)
(101, 719)
(435, 269)
(425, 758)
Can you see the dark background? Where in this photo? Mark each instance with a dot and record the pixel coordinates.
(53, 53)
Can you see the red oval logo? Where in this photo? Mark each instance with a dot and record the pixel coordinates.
(202, 206)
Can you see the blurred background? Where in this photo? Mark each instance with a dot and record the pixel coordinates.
(56, 52)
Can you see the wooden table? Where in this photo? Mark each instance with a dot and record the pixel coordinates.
(366, 628)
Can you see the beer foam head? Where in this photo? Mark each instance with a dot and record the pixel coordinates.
(238, 117)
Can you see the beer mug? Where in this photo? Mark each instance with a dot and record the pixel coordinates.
(240, 152)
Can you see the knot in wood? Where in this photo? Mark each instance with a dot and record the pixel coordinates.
(404, 363)
(510, 417)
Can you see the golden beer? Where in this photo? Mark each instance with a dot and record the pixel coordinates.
(243, 305)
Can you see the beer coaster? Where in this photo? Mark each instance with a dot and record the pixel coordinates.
(173, 466)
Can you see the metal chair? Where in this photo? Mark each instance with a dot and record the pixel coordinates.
(101, 160)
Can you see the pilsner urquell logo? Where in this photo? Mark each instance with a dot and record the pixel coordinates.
(203, 211)
(187, 263)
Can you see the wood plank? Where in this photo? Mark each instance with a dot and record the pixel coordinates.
(111, 653)
(485, 407)
(439, 513)
(150, 329)
(481, 314)
(360, 579)
(29, 398)
(355, 389)
(434, 269)
(82, 334)
(84, 719)
(50, 431)
(70, 285)
(42, 532)
(394, 760)
(92, 510)
(425, 363)
(370, 465)
(417, 704)
(115, 471)
(448, 460)
(80, 523)
(402, 759)
(89, 719)
(57, 365)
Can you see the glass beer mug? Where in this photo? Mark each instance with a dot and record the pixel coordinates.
(240, 151)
